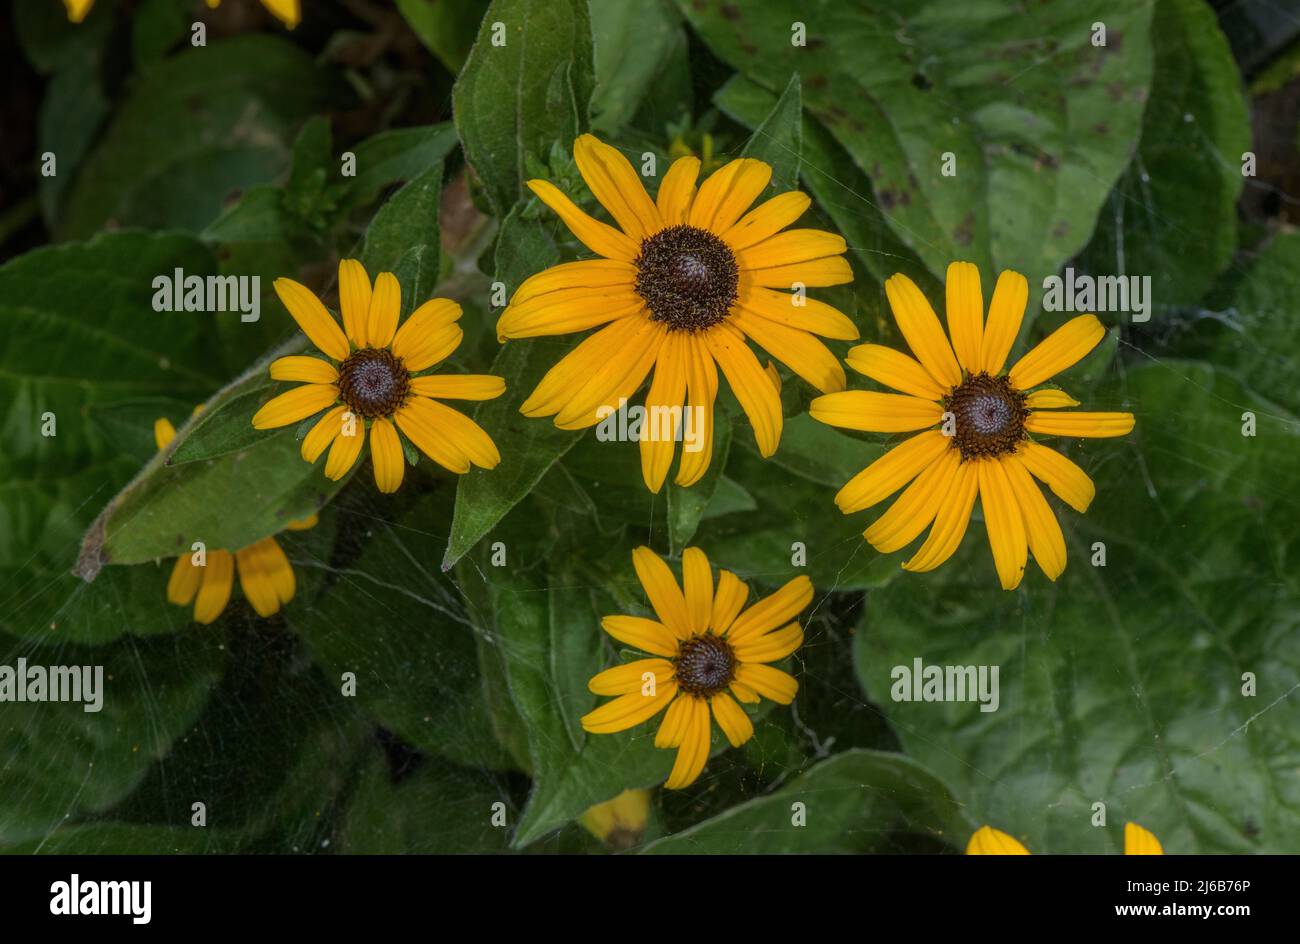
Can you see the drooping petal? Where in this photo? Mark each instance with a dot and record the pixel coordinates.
(306, 309)
(256, 583)
(1063, 348)
(894, 369)
(344, 451)
(1006, 312)
(1066, 480)
(614, 380)
(1004, 522)
(435, 443)
(214, 593)
(323, 433)
(288, 12)
(761, 403)
(950, 523)
(184, 581)
(600, 238)
(694, 750)
(920, 326)
(627, 711)
(916, 507)
(673, 728)
(163, 432)
(1042, 530)
(797, 349)
(697, 430)
(793, 311)
(663, 411)
(731, 718)
(891, 471)
(462, 432)
(386, 456)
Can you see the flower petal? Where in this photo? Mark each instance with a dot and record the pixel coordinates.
(772, 611)
(766, 219)
(1139, 841)
(614, 380)
(728, 193)
(385, 309)
(435, 443)
(1066, 480)
(731, 718)
(1042, 530)
(790, 247)
(630, 677)
(306, 309)
(567, 311)
(466, 436)
(429, 334)
(830, 270)
(697, 436)
(298, 367)
(1088, 425)
(323, 433)
(1049, 399)
(600, 238)
(894, 369)
(184, 581)
(163, 432)
(797, 349)
(874, 412)
(663, 411)
(950, 523)
(798, 312)
(1006, 312)
(597, 275)
(662, 590)
(615, 184)
(256, 583)
(965, 314)
(772, 684)
(673, 728)
(891, 471)
(557, 387)
(343, 453)
(990, 841)
(354, 300)
(214, 593)
(677, 190)
(694, 750)
(641, 633)
(769, 647)
(916, 507)
(295, 405)
(627, 711)
(386, 456)
(459, 386)
(1004, 523)
(1063, 348)
(697, 585)
(920, 326)
(761, 403)
(728, 598)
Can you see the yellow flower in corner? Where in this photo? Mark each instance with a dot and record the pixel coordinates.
(989, 841)
(620, 822)
(372, 381)
(977, 421)
(680, 286)
(265, 574)
(288, 12)
(705, 655)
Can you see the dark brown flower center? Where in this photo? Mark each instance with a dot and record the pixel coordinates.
(687, 277)
(988, 414)
(705, 665)
(373, 382)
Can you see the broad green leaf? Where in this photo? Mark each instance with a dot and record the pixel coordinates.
(229, 108)
(779, 139)
(528, 447)
(437, 808)
(63, 762)
(686, 506)
(1040, 121)
(1126, 684)
(397, 154)
(640, 47)
(447, 29)
(403, 238)
(851, 802)
(527, 84)
(395, 621)
(1172, 216)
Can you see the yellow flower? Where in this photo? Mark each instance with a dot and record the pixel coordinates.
(373, 376)
(620, 822)
(985, 417)
(265, 574)
(989, 841)
(683, 283)
(288, 12)
(705, 651)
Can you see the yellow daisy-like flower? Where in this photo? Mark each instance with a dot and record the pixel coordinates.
(680, 286)
(288, 12)
(373, 377)
(265, 574)
(989, 841)
(977, 421)
(706, 655)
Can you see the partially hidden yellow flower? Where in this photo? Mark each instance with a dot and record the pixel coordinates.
(978, 423)
(705, 653)
(989, 841)
(265, 574)
(288, 12)
(620, 822)
(373, 380)
(680, 286)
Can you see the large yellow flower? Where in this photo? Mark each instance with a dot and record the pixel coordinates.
(705, 651)
(989, 841)
(265, 574)
(373, 377)
(978, 422)
(288, 12)
(683, 283)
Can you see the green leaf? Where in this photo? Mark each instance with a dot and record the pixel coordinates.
(779, 139)
(1039, 120)
(1173, 215)
(403, 238)
(416, 664)
(1126, 684)
(686, 506)
(63, 762)
(528, 447)
(639, 47)
(398, 154)
(447, 29)
(229, 109)
(514, 100)
(851, 802)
